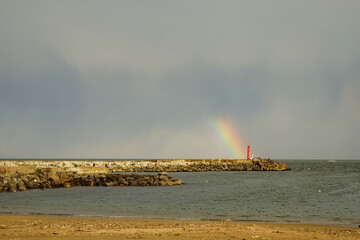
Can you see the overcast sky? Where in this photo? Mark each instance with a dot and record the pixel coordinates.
(143, 79)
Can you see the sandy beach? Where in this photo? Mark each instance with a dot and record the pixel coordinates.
(39, 227)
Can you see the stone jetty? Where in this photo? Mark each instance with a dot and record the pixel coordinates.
(50, 178)
(23, 175)
(256, 164)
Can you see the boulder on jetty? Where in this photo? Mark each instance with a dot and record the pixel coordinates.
(48, 178)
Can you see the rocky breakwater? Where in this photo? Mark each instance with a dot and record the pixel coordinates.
(48, 178)
(256, 164)
(188, 165)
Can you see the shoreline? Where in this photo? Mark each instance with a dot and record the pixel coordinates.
(143, 218)
(44, 227)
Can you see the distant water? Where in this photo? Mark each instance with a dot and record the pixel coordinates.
(290, 196)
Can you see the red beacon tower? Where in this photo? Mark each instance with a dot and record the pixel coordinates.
(248, 153)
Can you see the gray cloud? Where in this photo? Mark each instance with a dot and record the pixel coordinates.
(142, 80)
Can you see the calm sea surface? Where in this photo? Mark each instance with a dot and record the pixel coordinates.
(290, 196)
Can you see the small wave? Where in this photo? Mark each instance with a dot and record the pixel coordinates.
(37, 214)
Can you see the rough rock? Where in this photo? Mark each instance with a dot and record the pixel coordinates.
(22, 175)
(256, 164)
(43, 178)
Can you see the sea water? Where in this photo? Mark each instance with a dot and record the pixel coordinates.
(314, 191)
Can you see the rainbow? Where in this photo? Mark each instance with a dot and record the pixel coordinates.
(227, 135)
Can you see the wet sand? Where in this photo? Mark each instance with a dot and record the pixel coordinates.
(35, 227)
